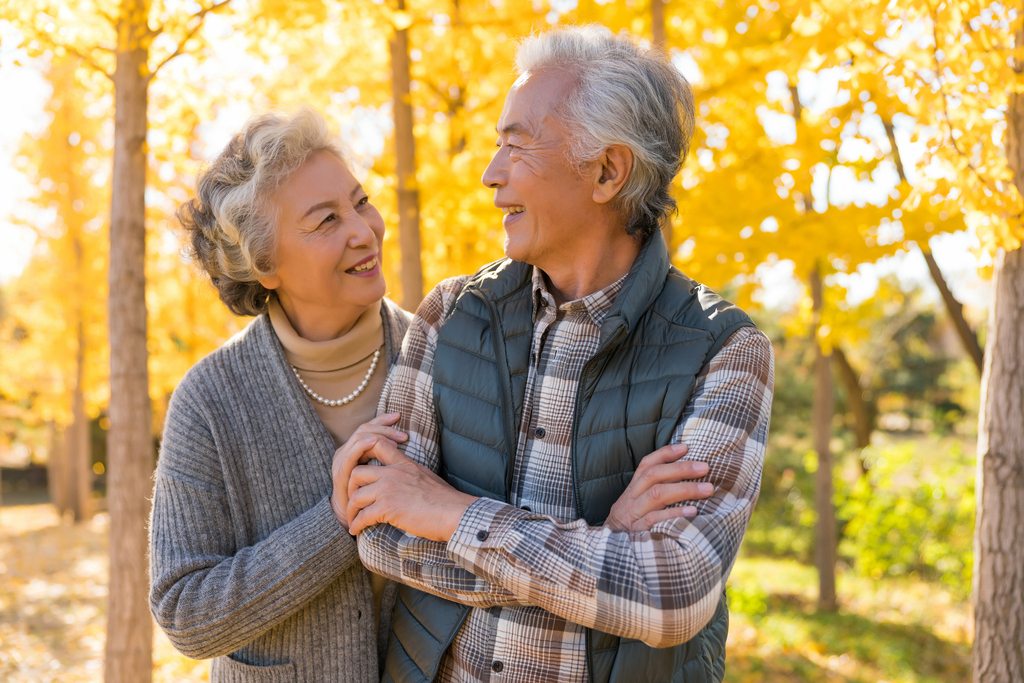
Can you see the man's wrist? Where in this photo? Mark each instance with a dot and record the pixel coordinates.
(453, 512)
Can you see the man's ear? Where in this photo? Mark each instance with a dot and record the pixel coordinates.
(615, 166)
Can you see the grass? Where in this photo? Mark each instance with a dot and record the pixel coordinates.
(898, 630)
(53, 599)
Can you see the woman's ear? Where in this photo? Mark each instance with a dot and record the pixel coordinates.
(615, 165)
(272, 281)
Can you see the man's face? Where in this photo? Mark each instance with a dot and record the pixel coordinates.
(545, 200)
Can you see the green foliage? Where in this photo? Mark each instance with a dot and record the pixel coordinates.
(914, 514)
(898, 629)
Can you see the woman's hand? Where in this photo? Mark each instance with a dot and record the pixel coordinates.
(659, 482)
(359, 449)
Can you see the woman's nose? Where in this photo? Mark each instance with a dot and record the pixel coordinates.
(362, 234)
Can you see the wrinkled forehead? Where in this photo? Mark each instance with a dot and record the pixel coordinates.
(534, 97)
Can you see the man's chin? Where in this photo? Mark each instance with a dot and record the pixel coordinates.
(513, 250)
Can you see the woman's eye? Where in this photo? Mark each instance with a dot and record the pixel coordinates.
(331, 217)
(363, 202)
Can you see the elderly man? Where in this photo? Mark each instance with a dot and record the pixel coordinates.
(535, 389)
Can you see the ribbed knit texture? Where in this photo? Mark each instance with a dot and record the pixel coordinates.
(247, 559)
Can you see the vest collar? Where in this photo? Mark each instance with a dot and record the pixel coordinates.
(644, 282)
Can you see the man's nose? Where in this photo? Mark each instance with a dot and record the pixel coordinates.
(495, 175)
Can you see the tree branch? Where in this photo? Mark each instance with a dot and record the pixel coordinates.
(953, 307)
(179, 50)
(856, 401)
(956, 313)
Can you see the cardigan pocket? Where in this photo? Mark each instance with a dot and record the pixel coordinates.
(228, 670)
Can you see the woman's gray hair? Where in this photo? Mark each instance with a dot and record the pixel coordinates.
(623, 95)
(230, 227)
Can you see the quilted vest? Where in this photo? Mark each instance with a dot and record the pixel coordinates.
(662, 329)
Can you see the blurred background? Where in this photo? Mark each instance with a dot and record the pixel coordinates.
(848, 184)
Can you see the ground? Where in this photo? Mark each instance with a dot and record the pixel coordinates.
(53, 592)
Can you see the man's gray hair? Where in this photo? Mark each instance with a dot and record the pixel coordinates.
(623, 95)
(230, 227)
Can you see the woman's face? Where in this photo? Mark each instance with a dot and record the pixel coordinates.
(328, 256)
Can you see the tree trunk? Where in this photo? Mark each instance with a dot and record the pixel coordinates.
(825, 550)
(998, 655)
(56, 470)
(405, 168)
(129, 656)
(79, 453)
(999, 530)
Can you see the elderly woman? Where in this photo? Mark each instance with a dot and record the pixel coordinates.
(251, 559)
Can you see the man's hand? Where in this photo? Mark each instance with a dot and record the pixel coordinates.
(356, 450)
(404, 494)
(659, 482)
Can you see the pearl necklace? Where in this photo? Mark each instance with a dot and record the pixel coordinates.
(341, 401)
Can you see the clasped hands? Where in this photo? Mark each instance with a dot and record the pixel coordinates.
(409, 496)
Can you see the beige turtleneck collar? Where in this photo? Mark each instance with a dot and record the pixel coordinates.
(335, 368)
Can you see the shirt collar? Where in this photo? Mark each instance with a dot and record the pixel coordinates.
(596, 305)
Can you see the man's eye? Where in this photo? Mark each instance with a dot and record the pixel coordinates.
(331, 217)
(363, 202)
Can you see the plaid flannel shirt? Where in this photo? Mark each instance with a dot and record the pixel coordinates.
(539, 576)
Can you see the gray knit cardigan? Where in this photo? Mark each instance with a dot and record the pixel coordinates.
(248, 563)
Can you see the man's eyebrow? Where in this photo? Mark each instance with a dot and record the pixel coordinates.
(512, 128)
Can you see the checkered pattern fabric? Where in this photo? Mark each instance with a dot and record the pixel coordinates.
(537, 575)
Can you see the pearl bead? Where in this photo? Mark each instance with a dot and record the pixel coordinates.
(341, 401)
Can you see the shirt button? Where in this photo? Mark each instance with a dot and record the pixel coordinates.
(539, 432)
(497, 667)
(481, 535)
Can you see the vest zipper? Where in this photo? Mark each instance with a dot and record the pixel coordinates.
(507, 405)
(588, 633)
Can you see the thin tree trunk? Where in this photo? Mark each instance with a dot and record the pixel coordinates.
(953, 307)
(56, 471)
(825, 550)
(998, 655)
(405, 168)
(79, 453)
(129, 657)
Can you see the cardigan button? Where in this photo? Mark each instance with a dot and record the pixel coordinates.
(539, 432)
(497, 667)
(482, 535)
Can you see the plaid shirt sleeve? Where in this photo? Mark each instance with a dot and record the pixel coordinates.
(409, 389)
(660, 586)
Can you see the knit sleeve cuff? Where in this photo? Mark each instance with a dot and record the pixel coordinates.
(327, 537)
